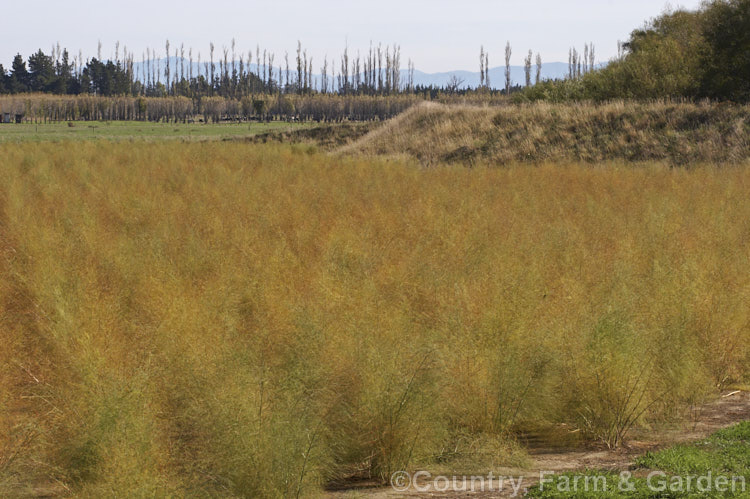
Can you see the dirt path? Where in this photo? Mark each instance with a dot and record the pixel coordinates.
(732, 407)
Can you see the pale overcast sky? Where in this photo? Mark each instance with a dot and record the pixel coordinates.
(438, 35)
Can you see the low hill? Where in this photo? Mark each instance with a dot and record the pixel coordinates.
(678, 133)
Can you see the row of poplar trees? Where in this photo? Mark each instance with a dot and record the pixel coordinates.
(227, 73)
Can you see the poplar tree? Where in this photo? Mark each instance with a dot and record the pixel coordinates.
(487, 70)
(508, 53)
(572, 62)
(213, 67)
(286, 62)
(305, 86)
(234, 69)
(141, 70)
(225, 73)
(369, 75)
(380, 68)
(198, 65)
(388, 70)
(250, 82)
(270, 69)
(174, 80)
(190, 67)
(585, 57)
(538, 67)
(324, 76)
(527, 68)
(166, 69)
(265, 67)
(374, 80)
(310, 81)
(241, 76)
(345, 70)
(208, 68)
(357, 68)
(148, 68)
(411, 76)
(299, 67)
(396, 67)
(481, 66)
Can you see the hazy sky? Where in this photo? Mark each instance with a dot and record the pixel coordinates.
(438, 35)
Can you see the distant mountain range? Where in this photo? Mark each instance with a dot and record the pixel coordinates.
(468, 79)
(471, 79)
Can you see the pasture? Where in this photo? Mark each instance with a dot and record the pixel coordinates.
(129, 130)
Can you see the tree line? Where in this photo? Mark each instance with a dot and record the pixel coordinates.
(233, 73)
(228, 73)
(43, 108)
(229, 86)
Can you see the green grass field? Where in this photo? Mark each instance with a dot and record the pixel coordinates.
(723, 460)
(128, 130)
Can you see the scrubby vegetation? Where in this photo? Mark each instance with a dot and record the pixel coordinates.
(326, 137)
(679, 133)
(241, 320)
(681, 54)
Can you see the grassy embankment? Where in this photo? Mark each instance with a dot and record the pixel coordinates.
(680, 133)
(243, 320)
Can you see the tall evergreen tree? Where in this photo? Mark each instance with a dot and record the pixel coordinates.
(19, 76)
(41, 72)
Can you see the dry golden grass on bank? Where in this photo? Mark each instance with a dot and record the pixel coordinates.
(244, 320)
(679, 133)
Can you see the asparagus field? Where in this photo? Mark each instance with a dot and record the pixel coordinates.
(245, 320)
